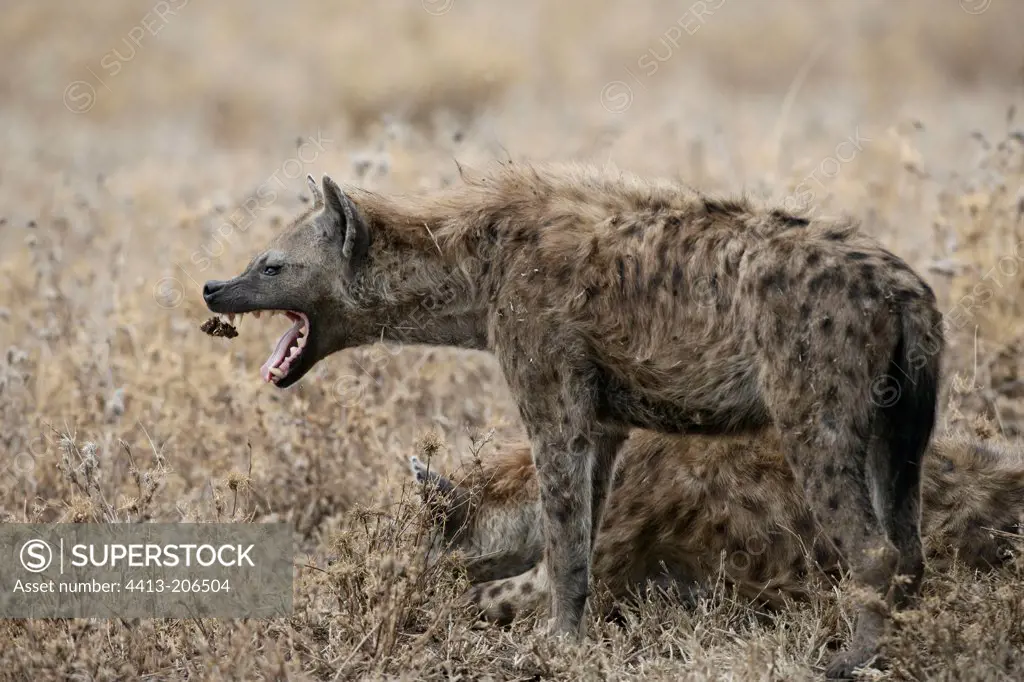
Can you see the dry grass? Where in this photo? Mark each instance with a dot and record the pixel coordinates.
(112, 218)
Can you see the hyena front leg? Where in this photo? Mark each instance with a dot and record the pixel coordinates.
(574, 471)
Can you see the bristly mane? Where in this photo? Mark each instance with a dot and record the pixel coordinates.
(528, 196)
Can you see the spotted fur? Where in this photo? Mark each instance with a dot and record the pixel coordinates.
(688, 510)
(614, 303)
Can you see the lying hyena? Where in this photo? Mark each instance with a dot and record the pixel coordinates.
(686, 510)
(612, 303)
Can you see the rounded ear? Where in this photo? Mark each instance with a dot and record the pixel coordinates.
(345, 217)
(318, 196)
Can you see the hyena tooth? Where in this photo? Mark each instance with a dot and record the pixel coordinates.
(256, 314)
(276, 371)
(231, 318)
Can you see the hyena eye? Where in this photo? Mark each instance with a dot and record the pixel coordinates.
(271, 270)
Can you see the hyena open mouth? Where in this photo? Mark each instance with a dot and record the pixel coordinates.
(290, 347)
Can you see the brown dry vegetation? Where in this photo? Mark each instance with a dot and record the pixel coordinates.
(111, 218)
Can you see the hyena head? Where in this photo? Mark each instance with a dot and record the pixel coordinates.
(340, 278)
(492, 516)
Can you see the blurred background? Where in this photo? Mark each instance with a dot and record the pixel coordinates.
(146, 147)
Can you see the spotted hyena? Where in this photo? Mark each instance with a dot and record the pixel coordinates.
(613, 303)
(686, 510)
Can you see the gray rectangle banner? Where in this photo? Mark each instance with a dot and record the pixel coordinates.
(145, 570)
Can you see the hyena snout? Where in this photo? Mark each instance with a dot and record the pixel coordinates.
(211, 289)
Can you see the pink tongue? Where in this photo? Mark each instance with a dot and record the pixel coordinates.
(277, 356)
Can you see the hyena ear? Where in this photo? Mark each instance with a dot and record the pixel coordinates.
(347, 222)
(421, 474)
(318, 196)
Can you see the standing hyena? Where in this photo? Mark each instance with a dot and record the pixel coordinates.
(613, 303)
(684, 511)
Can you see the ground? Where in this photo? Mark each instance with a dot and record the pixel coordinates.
(134, 138)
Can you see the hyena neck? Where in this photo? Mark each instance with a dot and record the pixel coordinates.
(433, 265)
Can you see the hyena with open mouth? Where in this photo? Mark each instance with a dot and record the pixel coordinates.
(612, 303)
(684, 511)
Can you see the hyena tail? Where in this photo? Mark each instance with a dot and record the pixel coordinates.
(915, 366)
(907, 400)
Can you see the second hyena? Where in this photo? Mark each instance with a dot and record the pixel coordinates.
(612, 303)
(685, 511)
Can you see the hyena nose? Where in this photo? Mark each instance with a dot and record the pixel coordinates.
(211, 288)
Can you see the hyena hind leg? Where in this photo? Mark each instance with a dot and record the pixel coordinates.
(504, 600)
(834, 478)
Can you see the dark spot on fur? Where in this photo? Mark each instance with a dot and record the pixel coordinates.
(772, 281)
(826, 324)
(830, 471)
(825, 279)
(726, 208)
(677, 280)
(495, 591)
(620, 264)
(835, 235)
(526, 588)
(805, 311)
(506, 613)
(857, 255)
(751, 504)
(779, 328)
(813, 258)
(789, 220)
(649, 533)
(895, 262)
(674, 222)
(564, 274)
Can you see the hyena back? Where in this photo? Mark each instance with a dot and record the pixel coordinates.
(612, 303)
(686, 510)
